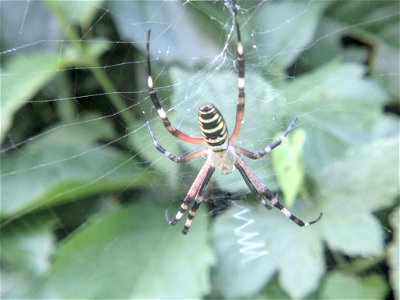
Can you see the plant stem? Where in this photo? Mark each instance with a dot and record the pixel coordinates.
(94, 67)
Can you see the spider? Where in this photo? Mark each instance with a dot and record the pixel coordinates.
(222, 152)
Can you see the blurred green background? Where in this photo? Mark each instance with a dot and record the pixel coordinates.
(84, 193)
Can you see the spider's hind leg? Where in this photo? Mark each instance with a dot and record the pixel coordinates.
(256, 185)
(199, 197)
(192, 214)
(196, 192)
(275, 203)
(181, 211)
(260, 196)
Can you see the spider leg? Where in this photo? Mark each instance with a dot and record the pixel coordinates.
(177, 159)
(196, 192)
(246, 172)
(241, 78)
(198, 199)
(252, 188)
(161, 112)
(268, 149)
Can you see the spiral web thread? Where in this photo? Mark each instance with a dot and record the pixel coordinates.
(250, 248)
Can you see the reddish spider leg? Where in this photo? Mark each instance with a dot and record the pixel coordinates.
(250, 176)
(161, 112)
(241, 80)
(254, 190)
(177, 159)
(196, 192)
(198, 187)
(268, 149)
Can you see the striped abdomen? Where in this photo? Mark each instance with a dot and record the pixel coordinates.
(213, 127)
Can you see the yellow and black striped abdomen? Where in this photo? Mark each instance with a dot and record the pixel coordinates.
(213, 127)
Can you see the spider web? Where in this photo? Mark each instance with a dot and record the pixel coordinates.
(81, 180)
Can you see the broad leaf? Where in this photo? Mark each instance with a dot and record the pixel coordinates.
(337, 106)
(280, 43)
(64, 165)
(26, 249)
(373, 27)
(22, 78)
(27, 37)
(347, 198)
(296, 253)
(339, 285)
(272, 291)
(169, 42)
(288, 165)
(132, 253)
(81, 13)
(350, 191)
(377, 26)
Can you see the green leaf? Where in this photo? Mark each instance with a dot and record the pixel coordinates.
(393, 251)
(132, 253)
(338, 107)
(296, 253)
(26, 249)
(288, 164)
(34, 243)
(31, 36)
(85, 56)
(22, 79)
(24, 76)
(359, 168)
(81, 13)
(282, 42)
(350, 191)
(272, 291)
(339, 285)
(136, 17)
(375, 26)
(66, 164)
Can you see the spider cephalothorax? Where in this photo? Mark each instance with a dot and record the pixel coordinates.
(222, 153)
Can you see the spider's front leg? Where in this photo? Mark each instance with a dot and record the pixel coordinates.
(196, 192)
(177, 159)
(161, 112)
(250, 176)
(271, 147)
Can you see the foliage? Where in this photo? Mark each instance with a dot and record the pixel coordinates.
(83, 191)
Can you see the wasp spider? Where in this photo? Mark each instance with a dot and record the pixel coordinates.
(222, 153)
